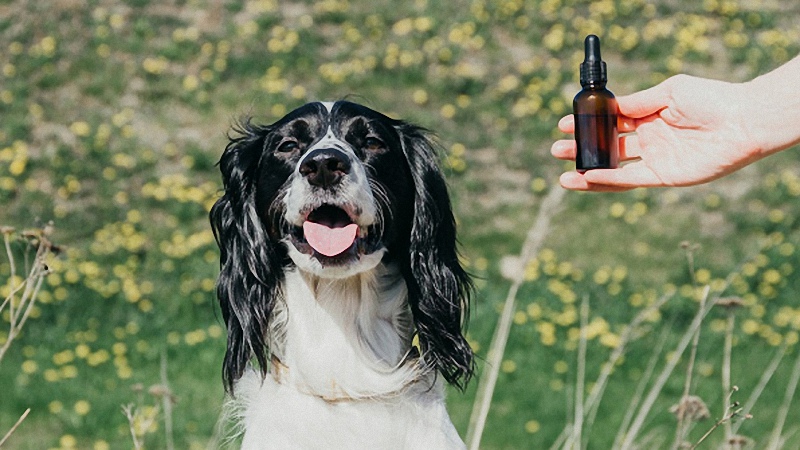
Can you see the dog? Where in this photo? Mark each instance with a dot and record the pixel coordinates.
(340, 283)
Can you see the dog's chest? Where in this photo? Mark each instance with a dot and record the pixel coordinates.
(346, 338)
(280, 417)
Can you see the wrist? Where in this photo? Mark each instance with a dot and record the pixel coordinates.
(770, 108)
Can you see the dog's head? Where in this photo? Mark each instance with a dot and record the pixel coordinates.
(336, 189)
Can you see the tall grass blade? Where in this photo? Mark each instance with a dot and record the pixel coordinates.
(550, 206)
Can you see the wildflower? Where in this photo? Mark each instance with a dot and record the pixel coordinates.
(420, 97)
(508, 366)
(448, 111)
(738, 442)
(691, 407)
(80, 129)
(532, 426)
(68, 441)
(55, 407)
(82, 407)
(730, 302)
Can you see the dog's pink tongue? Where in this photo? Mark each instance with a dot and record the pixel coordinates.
(329, 241)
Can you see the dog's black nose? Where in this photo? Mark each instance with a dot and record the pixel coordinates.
(325, 167)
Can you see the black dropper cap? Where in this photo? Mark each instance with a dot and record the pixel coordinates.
(593, 68)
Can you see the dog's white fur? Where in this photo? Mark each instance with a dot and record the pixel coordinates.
(342, 381)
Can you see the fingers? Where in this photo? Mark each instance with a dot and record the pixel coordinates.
(628, 148)
(578, 182)
(564, 149)
(567, 124)
(644, 103)
(633, 175)
(625, 124)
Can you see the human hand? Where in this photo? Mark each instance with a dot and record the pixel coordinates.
(682, 132)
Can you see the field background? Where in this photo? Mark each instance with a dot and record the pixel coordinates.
(114, 113)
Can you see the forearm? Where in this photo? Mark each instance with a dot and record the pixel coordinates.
(773, 116)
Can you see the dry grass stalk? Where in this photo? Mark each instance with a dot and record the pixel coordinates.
(775, 441)
(666, 372)
(550, 206)
(730, 304)
(23, 294)
(593, 402)
(732, 410)
(686, 400)
(142, 419)
(574, 441)
(690, 408)
(136, 423)
(762, 384)
(16, 425)
(640, 387)
(167, 400)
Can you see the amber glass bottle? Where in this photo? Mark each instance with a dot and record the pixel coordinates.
(595, 110)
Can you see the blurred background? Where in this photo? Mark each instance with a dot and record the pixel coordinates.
(114, 113)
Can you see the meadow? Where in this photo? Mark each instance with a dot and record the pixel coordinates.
(114, 113)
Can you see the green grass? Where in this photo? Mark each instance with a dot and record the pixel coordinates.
(114, 113)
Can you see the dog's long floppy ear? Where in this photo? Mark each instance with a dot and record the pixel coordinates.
(438, 286)
(250, 264)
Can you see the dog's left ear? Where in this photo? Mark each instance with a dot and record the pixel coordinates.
(439, 288)
(251, 264)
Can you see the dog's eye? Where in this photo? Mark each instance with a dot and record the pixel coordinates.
(288, 146)
(373, 144)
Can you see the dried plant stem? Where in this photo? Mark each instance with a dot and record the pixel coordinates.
(22, 297)
(726, 367)
(637, 396)
(762, 384)
(574, 441)
(775, 440)
(11, 431)
(130, 413)
(533, 243)
(655, 390)
(684, 424)
(726, 418)
(166, 403)
(565, 434)
(593, 402)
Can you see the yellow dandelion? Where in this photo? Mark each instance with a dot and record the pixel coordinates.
(80, 129)
(55, 407)
(29, 367)
(448, 111)
(772, 276)
(82, 407)
(67, 441)
(420, 97)
(532, 426)
(538, 185)
(508, 366)
(403, 27)
(617, 210)
(215, 331)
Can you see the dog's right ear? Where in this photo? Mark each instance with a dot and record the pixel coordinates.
(251, 265)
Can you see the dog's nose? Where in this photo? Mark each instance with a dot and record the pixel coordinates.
(325, 167)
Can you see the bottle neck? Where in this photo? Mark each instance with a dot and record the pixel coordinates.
(593, 84)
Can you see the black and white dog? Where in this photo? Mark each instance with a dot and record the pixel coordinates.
(340, 277)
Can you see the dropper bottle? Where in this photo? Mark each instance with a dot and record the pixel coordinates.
(595, 110)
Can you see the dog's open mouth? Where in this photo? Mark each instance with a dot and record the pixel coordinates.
(330, 234)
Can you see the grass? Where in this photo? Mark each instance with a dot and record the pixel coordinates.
(114, 114)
